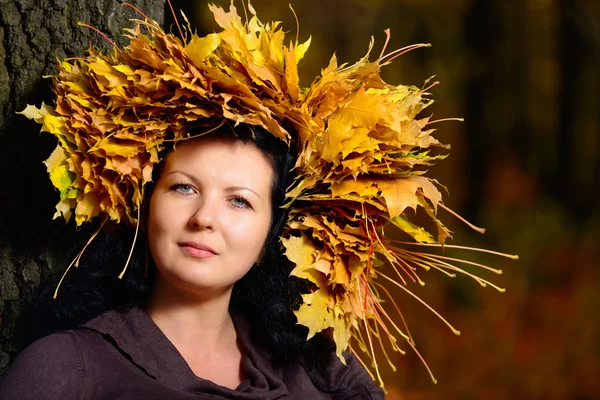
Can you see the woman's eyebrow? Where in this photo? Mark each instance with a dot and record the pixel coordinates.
(176, 171)
(229, 189)
(236, 188)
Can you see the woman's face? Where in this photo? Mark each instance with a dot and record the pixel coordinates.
(209, 214)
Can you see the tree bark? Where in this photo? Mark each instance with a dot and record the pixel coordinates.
(33, 34)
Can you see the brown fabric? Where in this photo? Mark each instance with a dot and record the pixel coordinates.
(124, 355)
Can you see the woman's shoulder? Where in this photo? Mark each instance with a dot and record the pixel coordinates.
(350, 380)
(62, 365)
(336, 380)
(51, 368)
(308, 375)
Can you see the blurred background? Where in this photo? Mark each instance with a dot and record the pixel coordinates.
(525, 165)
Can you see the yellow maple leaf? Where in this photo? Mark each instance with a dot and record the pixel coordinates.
(341, 332)
(301, 49)
(362, 187)
(363, 110)
(398, 193)
(61, 178)
(199, 48)
(57, 158)
(417, 232)
(291, 74)
(87, 208)
(299, 250)
(118, 148)
(63, 209)
(314, 312)
(36, 114)
(340, 273)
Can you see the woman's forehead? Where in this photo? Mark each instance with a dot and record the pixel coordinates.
(213, 147)
(225, 158)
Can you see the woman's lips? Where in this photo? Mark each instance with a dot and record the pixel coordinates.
(197, 250)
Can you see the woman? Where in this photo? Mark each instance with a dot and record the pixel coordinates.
(214, 214)
(224, 203)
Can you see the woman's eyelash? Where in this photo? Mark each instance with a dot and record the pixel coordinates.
(181, 187)
(184, 188)
(244, 202)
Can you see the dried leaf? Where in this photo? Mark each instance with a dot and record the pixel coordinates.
(198, 49)
(416, 232)
(314, 312)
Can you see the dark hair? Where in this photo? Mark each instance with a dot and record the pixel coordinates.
(266, 295)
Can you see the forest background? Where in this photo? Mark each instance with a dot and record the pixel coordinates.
(525, 165)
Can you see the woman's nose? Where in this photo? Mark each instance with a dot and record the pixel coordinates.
(202, 217)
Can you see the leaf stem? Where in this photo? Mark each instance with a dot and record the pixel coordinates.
(198, 135)
(138, 10)
(446, 119)
(403, 50)
(387, 40)
(297, 23)
(175, 18)
(452, 246)
(407, 336)
(470, 225)
(361, 362)
(245, 11)
(137, 227)
(98, 31)
(77, 258)
(373, 352)
(454, 330)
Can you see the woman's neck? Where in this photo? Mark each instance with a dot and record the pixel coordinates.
(201, 330)
(191, 321)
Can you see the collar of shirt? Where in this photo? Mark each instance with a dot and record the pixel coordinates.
(134, 333)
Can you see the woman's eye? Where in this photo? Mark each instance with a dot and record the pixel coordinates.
(240, 202)
(182, 188)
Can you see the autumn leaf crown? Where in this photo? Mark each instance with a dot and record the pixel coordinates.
(361, 149)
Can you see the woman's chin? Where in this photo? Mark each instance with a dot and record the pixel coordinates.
(199, 280)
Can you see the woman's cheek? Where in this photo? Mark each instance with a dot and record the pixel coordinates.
(175, 213)
(239, 225)
(248, 229)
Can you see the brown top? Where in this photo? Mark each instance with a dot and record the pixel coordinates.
(124, 355)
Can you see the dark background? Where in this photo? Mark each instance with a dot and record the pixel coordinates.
(525, 164)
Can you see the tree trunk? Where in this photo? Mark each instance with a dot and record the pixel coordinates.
(33, 34)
